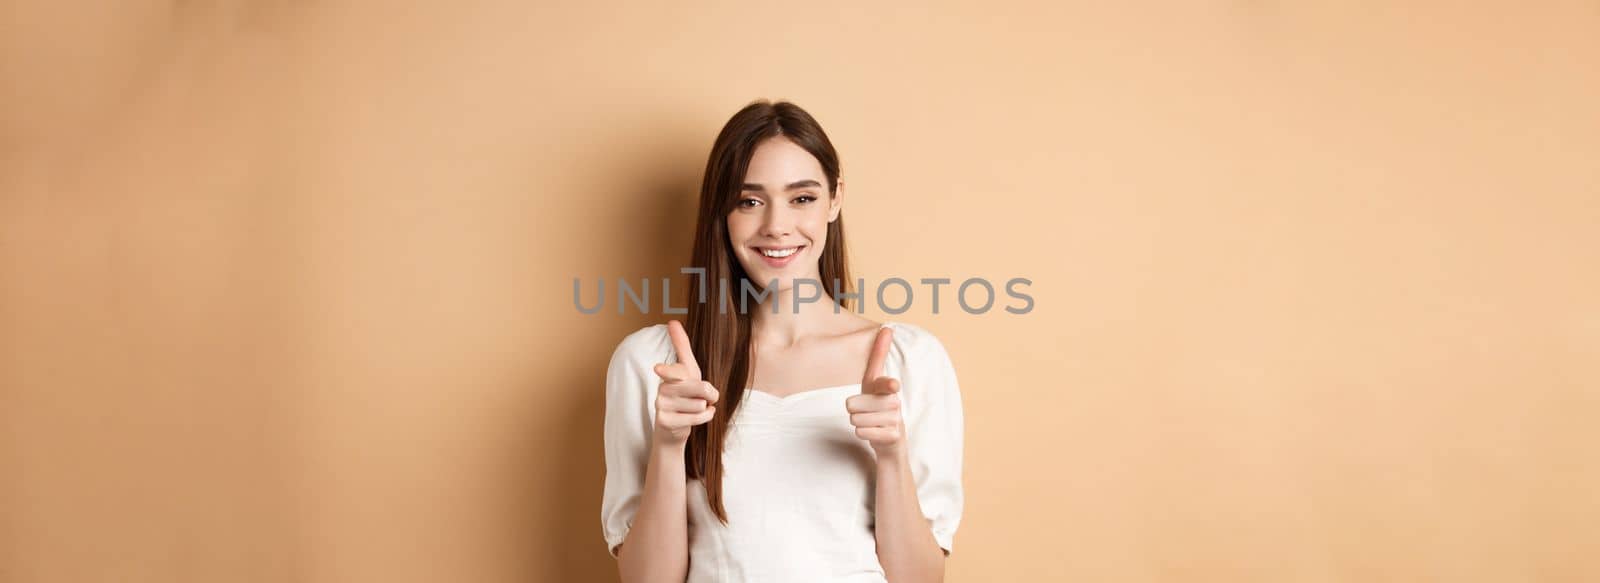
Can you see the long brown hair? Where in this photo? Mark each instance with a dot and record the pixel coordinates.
(718, 333)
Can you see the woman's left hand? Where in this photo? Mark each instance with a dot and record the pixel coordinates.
(875, 412)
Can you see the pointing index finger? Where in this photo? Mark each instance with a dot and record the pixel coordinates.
(880, 353)
(680, 343)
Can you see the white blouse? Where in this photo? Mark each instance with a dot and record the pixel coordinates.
(798, 485)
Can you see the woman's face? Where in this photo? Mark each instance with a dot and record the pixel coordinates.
(780, 222)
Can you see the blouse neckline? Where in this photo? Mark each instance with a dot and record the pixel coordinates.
(801, 394)
(796, 396)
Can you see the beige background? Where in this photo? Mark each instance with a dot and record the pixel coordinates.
(285, 287)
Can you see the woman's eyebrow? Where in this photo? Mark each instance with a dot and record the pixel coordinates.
(792, 185)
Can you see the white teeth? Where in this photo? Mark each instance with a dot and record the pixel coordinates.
(777, 253)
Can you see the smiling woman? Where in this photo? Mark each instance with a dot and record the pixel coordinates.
(845, 462)
(774, 221)
(760, 217)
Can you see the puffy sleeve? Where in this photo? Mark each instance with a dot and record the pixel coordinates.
(629, 416)
(931, 405)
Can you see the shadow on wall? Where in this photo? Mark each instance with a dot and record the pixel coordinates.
(657, 236)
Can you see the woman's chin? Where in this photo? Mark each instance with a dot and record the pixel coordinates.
(785, 283)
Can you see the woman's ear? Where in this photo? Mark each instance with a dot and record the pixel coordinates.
(836, 202)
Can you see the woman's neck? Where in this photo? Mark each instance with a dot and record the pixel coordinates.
(794, 321)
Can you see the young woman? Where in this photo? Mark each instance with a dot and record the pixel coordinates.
(773, 438)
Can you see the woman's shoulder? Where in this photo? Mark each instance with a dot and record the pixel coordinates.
(916, 343)
(921, 362)
(648, 344)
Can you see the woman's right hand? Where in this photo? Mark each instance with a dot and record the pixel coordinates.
(682, 400)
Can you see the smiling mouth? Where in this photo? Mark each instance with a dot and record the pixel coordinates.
(778, 252)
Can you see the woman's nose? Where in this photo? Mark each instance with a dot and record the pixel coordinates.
(776, 223)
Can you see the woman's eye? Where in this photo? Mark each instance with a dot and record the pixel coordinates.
(803, 199)
(748, 202)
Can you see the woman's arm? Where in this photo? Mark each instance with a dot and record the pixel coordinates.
(657, 546)
(658, 541)
(906, 547)
(915, 520)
